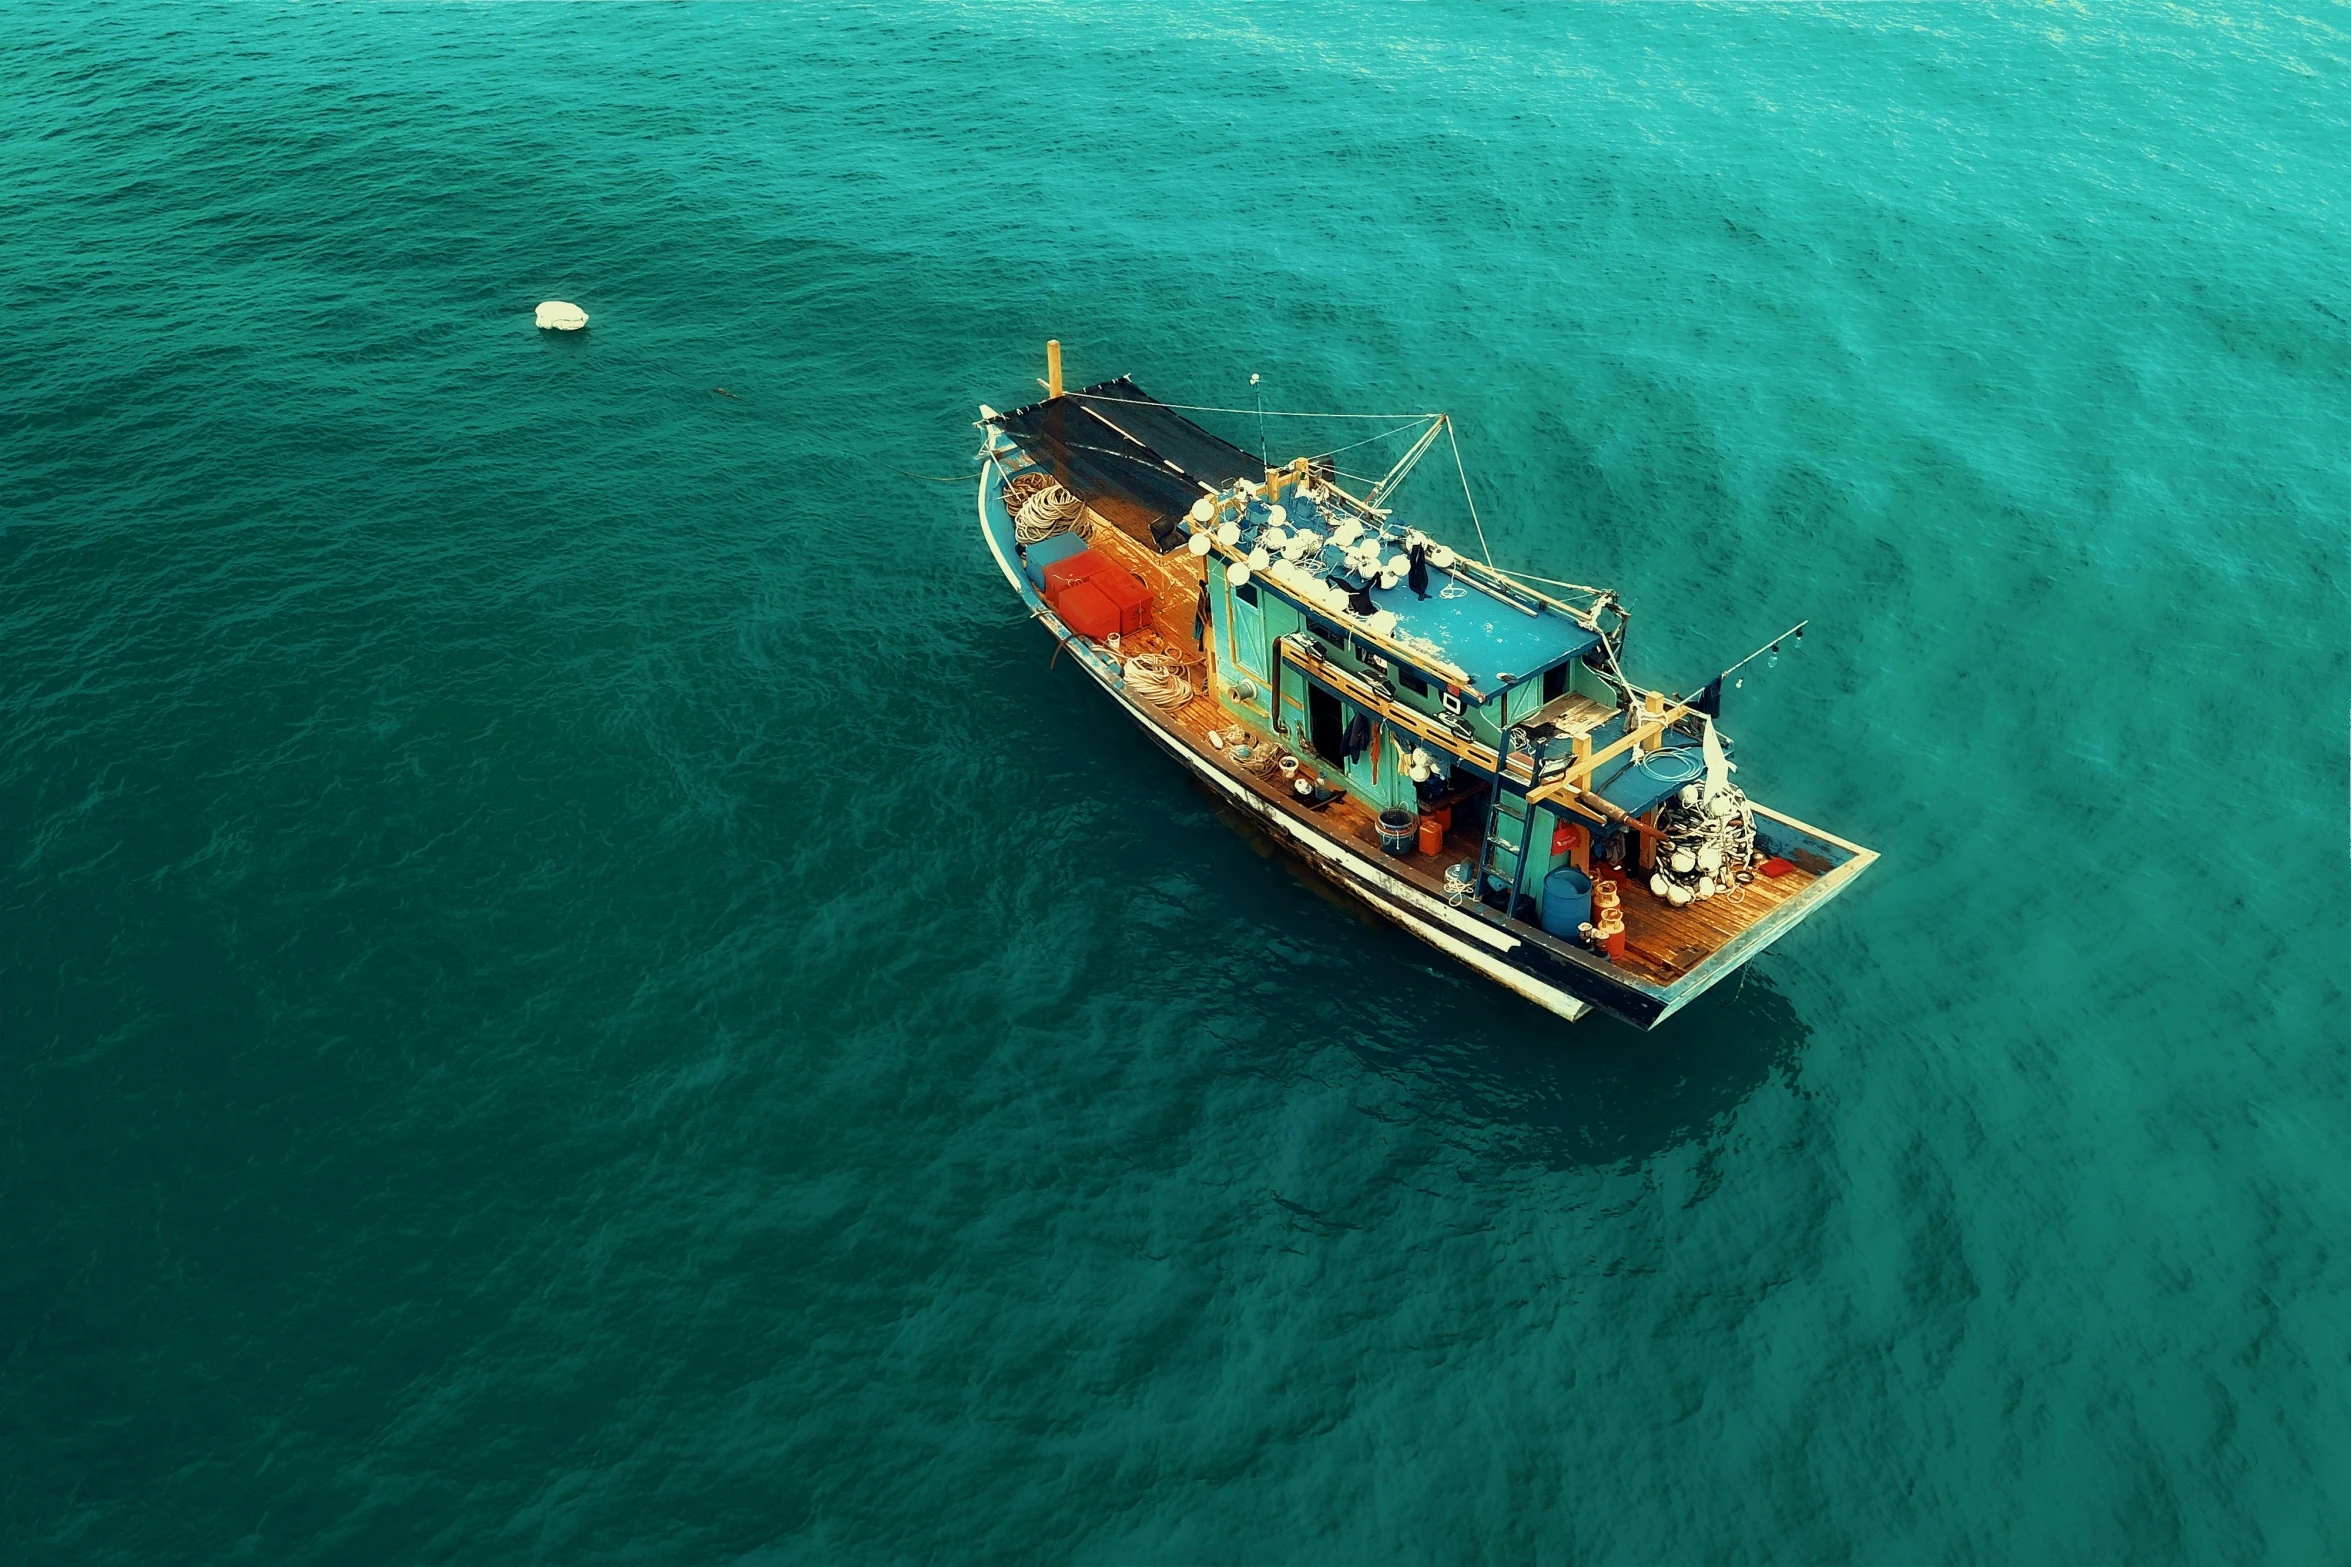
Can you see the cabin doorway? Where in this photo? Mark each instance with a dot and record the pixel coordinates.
(1326, 731)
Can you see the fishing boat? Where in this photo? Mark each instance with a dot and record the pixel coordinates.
(1456, 745)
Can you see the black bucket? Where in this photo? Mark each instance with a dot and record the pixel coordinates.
(1398, 831)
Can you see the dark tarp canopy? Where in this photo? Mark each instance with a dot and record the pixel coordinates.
(1128, 455)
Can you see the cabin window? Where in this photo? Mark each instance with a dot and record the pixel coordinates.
(1246, 593)
(1413, 683)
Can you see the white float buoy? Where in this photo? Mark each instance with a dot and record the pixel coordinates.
(1198, 544)
(557, 316)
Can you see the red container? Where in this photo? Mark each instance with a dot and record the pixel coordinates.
(1085, 611)
(1080, 567)
(1130, 598)
(1432, 835)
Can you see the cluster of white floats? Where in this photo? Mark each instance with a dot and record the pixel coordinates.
(1293, 557)
(1713, 840)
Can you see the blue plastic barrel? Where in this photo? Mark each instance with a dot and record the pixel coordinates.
(1567, 901)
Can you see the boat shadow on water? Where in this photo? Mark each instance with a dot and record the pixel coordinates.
(1561, 1094)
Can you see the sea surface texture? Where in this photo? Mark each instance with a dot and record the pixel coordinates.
(577, 986)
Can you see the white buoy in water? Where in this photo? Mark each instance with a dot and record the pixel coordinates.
(557, 316)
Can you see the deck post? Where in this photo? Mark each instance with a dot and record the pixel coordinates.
(1053, 367)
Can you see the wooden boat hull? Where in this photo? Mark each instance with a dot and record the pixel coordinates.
(1561, 978)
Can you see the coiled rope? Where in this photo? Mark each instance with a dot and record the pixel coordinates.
(1160, 679)
(1046, 509)
(1266, 760)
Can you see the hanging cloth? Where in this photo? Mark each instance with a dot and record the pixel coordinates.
(1357, 738)
(1417, 578)
(1710, 700)
(1719, 766)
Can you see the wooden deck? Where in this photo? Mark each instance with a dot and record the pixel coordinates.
(1662, 943)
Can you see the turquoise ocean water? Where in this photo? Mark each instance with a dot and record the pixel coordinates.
(574, 988)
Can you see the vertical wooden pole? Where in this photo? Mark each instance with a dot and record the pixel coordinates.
(1053, 368)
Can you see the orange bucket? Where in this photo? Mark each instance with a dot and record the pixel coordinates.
(1432, 835)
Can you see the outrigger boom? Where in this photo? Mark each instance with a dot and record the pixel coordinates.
(1436, 736)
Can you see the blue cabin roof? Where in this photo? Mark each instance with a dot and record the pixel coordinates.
(1493, 643)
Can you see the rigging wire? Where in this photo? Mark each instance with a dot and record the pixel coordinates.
(1367, 440)
(1465, 495)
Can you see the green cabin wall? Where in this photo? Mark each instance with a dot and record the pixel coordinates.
(1523, 835)
(1236, 651)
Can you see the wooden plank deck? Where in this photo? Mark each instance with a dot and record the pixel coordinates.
(1662, 943)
